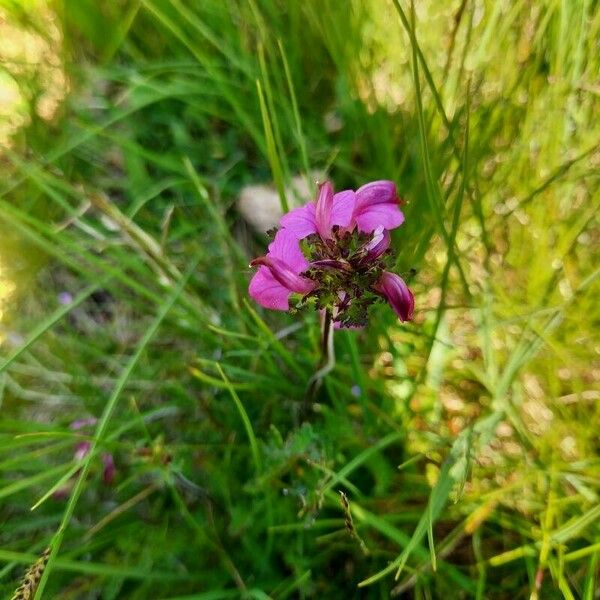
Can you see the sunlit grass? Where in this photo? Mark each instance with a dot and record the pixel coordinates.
(33, 81)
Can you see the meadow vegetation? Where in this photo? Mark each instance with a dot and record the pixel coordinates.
(465, 443)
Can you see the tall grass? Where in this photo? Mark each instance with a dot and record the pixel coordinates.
(466, 443)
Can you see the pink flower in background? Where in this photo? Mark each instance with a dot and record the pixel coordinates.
(82, 449)
(109, 470)
(334, 251)
(65, 298)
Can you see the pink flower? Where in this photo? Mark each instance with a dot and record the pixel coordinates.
(109, 470)
(82, 449)
(279, 271)
(334, 253)
(81, 423)
(373, 205)
(393, 288)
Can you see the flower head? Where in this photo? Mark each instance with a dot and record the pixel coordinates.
(333, 252)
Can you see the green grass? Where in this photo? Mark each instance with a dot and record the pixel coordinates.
(470, 456)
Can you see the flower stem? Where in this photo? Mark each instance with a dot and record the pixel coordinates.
(327, 361)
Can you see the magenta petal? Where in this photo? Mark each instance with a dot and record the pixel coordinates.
(279, 273)
(378, 244)
(343, 208)
(388, 216)
(268, 292)
(286, 247)
(376, 192)
(331, 263)
(377, 206)
(108, 473)
(82, 449)
(301, 222)
(80, 423)
(323, 210)
(396, 292)
(284, 275)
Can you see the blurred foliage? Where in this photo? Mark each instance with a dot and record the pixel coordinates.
(466, 442)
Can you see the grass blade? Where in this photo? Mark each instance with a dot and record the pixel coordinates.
(102, 426)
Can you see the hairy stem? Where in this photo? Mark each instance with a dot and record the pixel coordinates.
(327, 361)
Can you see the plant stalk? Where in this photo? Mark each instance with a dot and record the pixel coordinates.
(327, 361)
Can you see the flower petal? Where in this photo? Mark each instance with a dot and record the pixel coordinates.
(343, 208)
(332, 263)
(108, 472)
(82, 449)
(80, 423)
(284, 275)
(376, 192)
(378, 244)
(377, 206)
(286, 247)
(268, 292)
(396, 292)
(301, 222)
(323, 210)
(386, 215)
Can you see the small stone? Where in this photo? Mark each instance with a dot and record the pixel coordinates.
(260, 205)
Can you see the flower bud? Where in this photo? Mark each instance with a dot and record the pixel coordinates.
(378, 244)
(323, 210)
(393, 288)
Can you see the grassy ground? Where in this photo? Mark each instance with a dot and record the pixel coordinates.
(465, 442)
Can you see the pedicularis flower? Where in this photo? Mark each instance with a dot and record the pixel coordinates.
(334, 252)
